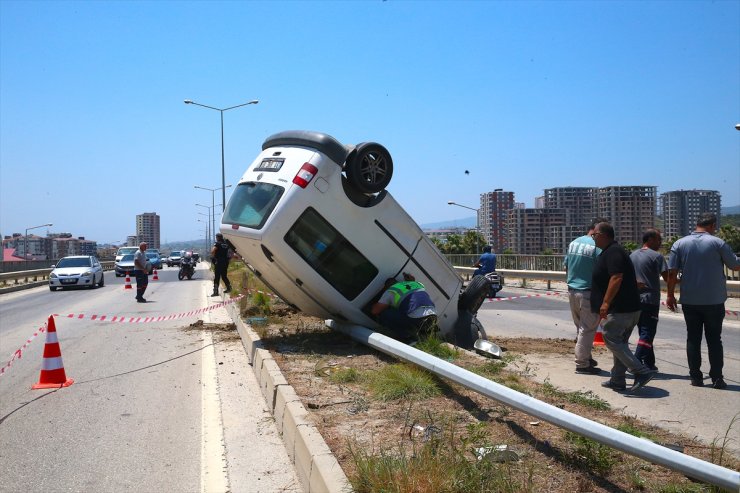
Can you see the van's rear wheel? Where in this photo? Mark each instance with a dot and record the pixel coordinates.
(369, 168)
(472, 298)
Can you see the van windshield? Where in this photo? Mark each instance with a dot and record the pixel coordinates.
(251, 204)
(330, 254)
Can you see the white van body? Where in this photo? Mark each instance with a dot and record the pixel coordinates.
(325, 247)
(125, 251)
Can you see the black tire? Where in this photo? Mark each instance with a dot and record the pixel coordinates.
(369, 168)
(477, 330)
(180, 276)
(52, 288)
(102, 281)
(472, 298)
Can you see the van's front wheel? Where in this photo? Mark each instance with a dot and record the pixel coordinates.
(369, 168)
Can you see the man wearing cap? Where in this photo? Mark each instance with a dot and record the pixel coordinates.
(406, 308)
(220, 259)
(140, 271)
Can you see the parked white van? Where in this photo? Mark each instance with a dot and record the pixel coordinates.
(125, 251)
(314, 222)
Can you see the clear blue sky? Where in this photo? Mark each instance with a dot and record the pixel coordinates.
(524, 95)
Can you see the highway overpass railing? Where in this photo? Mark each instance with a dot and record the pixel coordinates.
(29, 276)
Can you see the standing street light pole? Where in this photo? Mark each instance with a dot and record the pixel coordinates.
(223, 168)
(25, 240)
(208, 224)
(477, 221)
(213, 204)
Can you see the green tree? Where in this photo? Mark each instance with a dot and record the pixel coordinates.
(731, 235)
(730, 220)
(473, 242)
(630, 246)
(437, 242)
(454, 244)
(667, 244)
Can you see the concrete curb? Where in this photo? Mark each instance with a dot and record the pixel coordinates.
(316, 467)
(21, 287)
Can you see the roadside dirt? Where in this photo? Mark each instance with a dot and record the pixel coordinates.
(349, 417)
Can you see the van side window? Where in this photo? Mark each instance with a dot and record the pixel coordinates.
(251, 204)
(330, 254)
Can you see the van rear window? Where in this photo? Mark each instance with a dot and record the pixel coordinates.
(330, 254)
(252, 203)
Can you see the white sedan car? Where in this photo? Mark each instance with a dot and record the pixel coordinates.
(82, 270)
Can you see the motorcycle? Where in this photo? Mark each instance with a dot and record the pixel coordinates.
(495, 281)
(187, 267)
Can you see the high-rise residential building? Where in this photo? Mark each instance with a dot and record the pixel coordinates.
(630, 209)
(580, 202)
(530, 231)
(539, 202)
(147, 229)
(494, 208)
(681, 209)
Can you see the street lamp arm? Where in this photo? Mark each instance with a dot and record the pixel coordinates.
(463, 206)
(254, 101)
(189, 101)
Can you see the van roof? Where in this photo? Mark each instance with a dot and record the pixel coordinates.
(305, 138)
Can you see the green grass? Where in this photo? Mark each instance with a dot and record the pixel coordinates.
(445, 463)
(588, 399)
(399, 381)
(437, 347)
(631, 429)
(344, 375)
(595, 456)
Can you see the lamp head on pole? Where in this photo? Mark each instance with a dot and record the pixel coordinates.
(188, 101)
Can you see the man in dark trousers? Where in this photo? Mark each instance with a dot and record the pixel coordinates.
(140, 272)
(649, 265)
(701, 258)
(220, 258)
(615, 298)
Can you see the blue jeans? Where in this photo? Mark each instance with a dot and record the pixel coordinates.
(706, 319)
(647, 327)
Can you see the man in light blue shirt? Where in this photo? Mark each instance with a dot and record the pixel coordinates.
(579, 265)
(701, 258)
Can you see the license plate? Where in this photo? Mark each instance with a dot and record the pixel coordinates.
(69, 281)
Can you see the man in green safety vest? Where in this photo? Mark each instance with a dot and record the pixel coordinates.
(406, 308)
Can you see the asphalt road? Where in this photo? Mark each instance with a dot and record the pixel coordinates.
(668, 401)
(154, 406)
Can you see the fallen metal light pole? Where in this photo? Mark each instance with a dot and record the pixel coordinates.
(639, 447)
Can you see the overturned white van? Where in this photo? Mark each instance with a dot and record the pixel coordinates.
(314, 222)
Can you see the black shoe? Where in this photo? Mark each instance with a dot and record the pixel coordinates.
(653, 368)
(593, 363)
(227, 290)
(719, 383)
(641, 380)
(614, 386)
(215, 294)
(588, 370)
(697, 382)
(140, 300)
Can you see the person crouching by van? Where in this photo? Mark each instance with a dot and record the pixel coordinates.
(407, 309)
(220, 258)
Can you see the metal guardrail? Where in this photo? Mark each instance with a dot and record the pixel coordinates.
(27, 276)
(733, 287)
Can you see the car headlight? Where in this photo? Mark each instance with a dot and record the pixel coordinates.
(87, 273)
(53, 276)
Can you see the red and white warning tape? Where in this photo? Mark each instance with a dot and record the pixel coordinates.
(117, 319)
(19, 352)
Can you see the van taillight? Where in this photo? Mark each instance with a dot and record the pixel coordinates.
(305, 175)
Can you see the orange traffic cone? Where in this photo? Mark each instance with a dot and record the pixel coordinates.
(52, 368)
(599, 337)
(155, 277)
(128, 282)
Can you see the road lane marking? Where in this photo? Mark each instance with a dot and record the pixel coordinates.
(213, 472)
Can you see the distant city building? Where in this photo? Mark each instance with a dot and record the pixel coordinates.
(539, 202)
(630, 209)
(531, 231)
(681, 208)
(132, 240)
(494, 209)
(54, 246)
(442, 234)
(520, 205)
(147, 229)
(579, 202)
